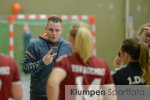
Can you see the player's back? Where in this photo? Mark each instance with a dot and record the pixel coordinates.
(93, 72)
(6, 76)
(93, 69)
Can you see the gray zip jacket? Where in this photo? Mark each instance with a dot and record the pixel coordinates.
(33, 64)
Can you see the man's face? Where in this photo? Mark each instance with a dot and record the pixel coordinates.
(54, 31)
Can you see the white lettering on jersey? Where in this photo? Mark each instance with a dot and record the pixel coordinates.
(94, 86)
(135, 80)
(4, 70)
(88, 70)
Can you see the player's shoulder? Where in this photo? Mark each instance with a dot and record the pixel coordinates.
(120, 70)
(99, 63)
(66, 57)
(38, 41)
(98, 60)
(7, 62)
(63, 57)
(5, 57)
(65, 42)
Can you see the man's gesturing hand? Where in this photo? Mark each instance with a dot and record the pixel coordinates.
(48, 58)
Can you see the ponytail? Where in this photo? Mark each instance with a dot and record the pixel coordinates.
(84, 43)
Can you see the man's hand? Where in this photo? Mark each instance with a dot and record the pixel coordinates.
(48, 58)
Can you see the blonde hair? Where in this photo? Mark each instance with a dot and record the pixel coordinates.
(141, 29)
(143, 60)
(74, 28)
(84, 43)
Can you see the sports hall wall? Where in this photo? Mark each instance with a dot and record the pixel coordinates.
(109, 15)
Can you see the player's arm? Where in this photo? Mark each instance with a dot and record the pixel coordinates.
(117, 61)
(55, 78)
(16, 90)
(16, 86)
(30, 62)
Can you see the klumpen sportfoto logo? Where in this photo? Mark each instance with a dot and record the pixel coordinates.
(106, 92)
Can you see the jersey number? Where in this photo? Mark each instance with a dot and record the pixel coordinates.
(134, 80)
(95, 85)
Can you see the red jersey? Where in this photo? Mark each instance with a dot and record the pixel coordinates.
(8, 74)
(93, 72)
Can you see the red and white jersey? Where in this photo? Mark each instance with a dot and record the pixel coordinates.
(8, 74)
(94, 70)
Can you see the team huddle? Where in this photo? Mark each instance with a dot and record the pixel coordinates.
(55, 63)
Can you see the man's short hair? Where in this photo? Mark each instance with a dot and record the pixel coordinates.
(55, 19)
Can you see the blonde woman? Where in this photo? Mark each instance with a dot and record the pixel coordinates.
(80, 68)
(144, 34)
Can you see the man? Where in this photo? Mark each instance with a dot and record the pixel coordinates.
(10, 85)
(41, 55)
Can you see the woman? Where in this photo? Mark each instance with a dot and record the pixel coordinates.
(78, 69)
(136, 70)
(143, 36)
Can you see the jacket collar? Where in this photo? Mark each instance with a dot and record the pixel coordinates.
(45, 38)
